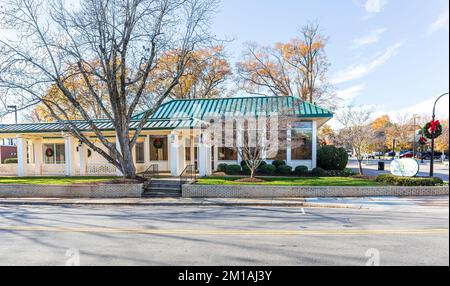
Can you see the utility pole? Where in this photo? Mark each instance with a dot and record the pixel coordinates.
(432, 135)
(414, 137)
(13, 108)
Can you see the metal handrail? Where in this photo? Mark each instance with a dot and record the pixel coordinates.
(189, 174)
(151, 172)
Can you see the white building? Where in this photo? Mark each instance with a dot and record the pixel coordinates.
(170, 139)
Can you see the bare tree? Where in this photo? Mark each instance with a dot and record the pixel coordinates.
(298, 68)
(126, 38)
(356, 131)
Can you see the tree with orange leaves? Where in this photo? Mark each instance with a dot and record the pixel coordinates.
(204, 75)
(297, 68)
(75, 82)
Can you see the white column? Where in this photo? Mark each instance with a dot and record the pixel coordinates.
(239, 138)
(204, 158)
(216, 157)
(177, 157)
(119, 149)
(69, 150)
(314, 144)
(82, 161)
(38, 156)
(173, 154)
(21, 156)
(289, 145)
(147, 150)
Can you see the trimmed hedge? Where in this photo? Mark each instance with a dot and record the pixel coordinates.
(268, 169)
(285, 170)
(246, 170)
(263, 163)
(339, 173)
(222, 167)
(318, 172)
(278, 163)
(233, 170)
(409, 182)
(332, 158)
(301, 171)
(10, 161)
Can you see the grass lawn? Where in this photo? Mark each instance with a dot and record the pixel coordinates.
(322, 181)
(53, 180)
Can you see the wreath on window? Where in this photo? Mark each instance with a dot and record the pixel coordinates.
(49, 152)
(432, 130)
(158, 143)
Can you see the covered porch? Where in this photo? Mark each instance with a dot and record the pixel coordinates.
(60, 154)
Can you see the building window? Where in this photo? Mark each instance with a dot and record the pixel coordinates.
(158, 148)
(227, 154)
(54, 154)
(301, 140)
(282, 144)
(139, 152)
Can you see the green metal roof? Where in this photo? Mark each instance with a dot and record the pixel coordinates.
(201, 108)
(191, 113)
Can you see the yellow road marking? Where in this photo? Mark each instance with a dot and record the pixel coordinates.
(230, 232)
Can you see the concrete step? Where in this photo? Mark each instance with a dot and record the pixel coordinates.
(163, 189)
(161, 194)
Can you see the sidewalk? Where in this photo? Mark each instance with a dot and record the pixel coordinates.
(347, 203)
(288, 202)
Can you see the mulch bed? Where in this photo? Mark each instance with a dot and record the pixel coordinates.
(250, 180)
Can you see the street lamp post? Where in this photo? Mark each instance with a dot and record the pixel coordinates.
(14, 109)
(432, 135)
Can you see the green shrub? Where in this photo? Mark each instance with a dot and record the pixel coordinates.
(268, 169)
(263, 163)
(246, 170)
(222, 167)
(10, 161)
(318, 172)
(340, 173)
(233, 170)
(301, 171)
(332, 158)
(285, 170)
(349, 172)
(243, 163)
(278, 163)
(409, 182)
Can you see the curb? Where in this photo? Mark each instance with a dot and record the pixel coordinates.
(219, 204)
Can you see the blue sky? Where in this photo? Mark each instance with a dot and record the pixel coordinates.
(392, 55)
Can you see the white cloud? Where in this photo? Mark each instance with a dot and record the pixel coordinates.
(360, 70)
(375, 6)
(350, 93)
(370, 38)
(440, 23)
(426, 108)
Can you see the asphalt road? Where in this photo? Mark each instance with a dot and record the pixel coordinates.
(414, 234)
(371, 169)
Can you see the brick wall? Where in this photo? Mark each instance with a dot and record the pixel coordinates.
(247, 191)
(72, 191)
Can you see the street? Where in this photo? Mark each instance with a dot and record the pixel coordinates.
(393, 232)
(371, 168)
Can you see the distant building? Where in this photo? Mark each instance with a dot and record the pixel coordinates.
(7, 152)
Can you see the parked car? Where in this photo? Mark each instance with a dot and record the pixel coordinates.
(374, 155)
(390, 154)
(407, 154)
(427, 155)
